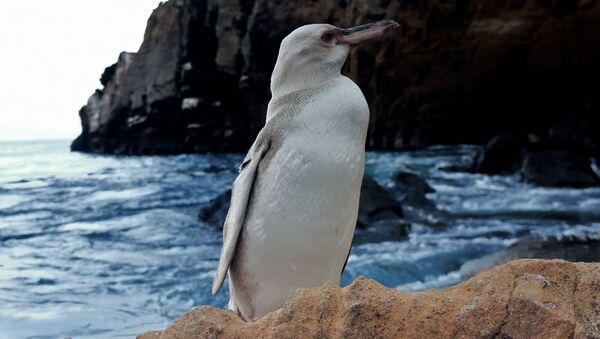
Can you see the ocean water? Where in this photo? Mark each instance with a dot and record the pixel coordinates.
(95, 246)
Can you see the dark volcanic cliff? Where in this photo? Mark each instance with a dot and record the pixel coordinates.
(456, 71)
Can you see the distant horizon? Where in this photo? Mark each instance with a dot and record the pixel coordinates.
(40, 139)
(53, 56)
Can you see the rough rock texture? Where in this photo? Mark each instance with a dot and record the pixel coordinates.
(456, 71)
(557, 160)
(414, 189)
(170, 96)
(380, 215)
(376, 203)
(214, 212)
(523, 299)
(503, 154)
(559, 168)
(411, 190)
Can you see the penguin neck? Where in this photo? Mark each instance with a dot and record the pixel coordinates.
(289, 78)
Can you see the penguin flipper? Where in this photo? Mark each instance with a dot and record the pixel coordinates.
(240, 197)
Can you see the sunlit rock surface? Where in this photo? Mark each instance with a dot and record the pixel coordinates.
(454, 72)
(522, 299)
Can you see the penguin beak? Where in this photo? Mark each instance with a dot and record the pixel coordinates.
(355, 35)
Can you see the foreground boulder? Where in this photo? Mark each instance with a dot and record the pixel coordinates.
(523, 299)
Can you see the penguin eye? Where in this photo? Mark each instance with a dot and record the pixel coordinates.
(327, 37)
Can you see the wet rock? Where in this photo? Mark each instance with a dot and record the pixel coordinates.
(376, 204)
(415, 205)
(562, 156)
(455, 72)
(214, 213)
(463, 167)
(522, 299)
(378, 210)
(215, 169)
(559, 168)
(567, 248)
(393, 229)
(414, 189)
(556, 160)
(503, 154)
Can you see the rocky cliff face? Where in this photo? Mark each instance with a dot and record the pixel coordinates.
(456, 71)
(523, 299)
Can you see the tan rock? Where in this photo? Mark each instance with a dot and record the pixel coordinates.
(522, 299)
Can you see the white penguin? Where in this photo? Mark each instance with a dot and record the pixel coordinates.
(294, 203)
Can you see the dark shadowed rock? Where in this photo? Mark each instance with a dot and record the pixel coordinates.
(559, 159)
(215, 212)
(559, 168)
(455, 72)
(568, 248)
(414, 189)
(560, 156)
(501, 155)
(380, 215)
(378, 210)
(416, 206)
(579, 130)
(377, 204)
(394, 229)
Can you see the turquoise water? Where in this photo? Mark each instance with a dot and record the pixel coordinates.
(96, 246)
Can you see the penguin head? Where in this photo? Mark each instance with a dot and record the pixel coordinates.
(316, 53)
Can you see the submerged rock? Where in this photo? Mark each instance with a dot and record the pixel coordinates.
(503, 154)
(522, 299)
